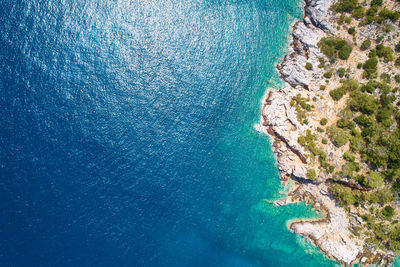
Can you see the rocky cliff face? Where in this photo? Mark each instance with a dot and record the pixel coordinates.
(279, 120)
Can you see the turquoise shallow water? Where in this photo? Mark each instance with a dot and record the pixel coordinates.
(127, 138)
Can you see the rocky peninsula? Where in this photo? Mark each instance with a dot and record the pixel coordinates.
(305, 120)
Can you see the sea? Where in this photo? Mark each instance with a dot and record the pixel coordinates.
(127, 134)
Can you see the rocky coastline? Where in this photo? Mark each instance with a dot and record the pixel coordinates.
(279, 119)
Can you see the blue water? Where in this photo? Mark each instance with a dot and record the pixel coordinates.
(126, 134)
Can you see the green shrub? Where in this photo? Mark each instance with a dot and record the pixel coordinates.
(398, 61)
(322, 87)
(397, 78)
(364, 120)
(309, 66)
(345, 52)
(351, 30)
(372, 53)
(323, 121)
(349, 157)
(366, 44)
(332, 47)
(311, 174)
(341, 72)
(388, 28)
(388, 212)
(365, 103)
(324, 141)
(385, 77)
(358, 12)
(328, 74)
(345, 5)
(370, 67)
(367, 88)
(359, 65)
(384, 115)
(338, 136)
(343, 194)
(371, 180)
(388, 14)
(338, 93)
(397, 47)
(385, 52)
(344, 123)
(381, 196)
(376, 3)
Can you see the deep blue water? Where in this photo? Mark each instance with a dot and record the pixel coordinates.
(126, 134)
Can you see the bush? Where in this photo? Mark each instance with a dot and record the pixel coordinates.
(351, 30)
(367, 104)
(324, 141)
(343, 194)
(364, 120)
(372, 53)
(309, 66)
(376, 3)
(345, 52)
(328, 74)
(398, 61)
(359, 65)
(388, 212)
(385, 115)
(397, 78)
(381, 196)
(323, 121)
(358, 12)
(388, 14)
(322, 87)
(338, 93)
(385, 52)
(338, 136)
(366, 44)
(397, 47)
(311, 174)
(385, 77)
(345, 5)
(341, 72)
(349, 157)
(370, 67)
(371, 180)
(332, 47)
(367, 88)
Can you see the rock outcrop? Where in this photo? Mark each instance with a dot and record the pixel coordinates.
(279, 120)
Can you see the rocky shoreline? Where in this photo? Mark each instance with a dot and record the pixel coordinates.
(279, 120)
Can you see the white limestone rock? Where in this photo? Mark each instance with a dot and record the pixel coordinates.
(317, 11)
